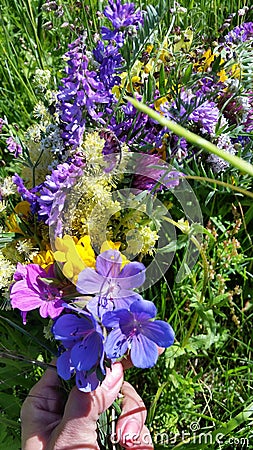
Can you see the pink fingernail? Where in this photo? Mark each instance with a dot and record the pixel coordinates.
(131, 432)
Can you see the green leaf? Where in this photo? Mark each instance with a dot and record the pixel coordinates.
(187, 74)
(149, 88)
(162, 89)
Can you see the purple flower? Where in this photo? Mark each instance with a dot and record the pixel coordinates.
(84, 355)
(110, 60)
(153, 174)
(55, 188)
(80, 94)
(26, 194)
(30, 291)
(111, 285)
(206, 115)
(218, 164)
(135, 330)
(240, 33)
(137, 129)
(13, 146)
(121, 16)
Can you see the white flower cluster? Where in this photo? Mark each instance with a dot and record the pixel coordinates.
(7, 270)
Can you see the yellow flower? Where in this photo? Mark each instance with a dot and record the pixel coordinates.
(148, 67)
(136, 84)
(21, 210)
(235, 71)
(185, 41)
(116, 90)
(165, 56)
(149, 48)
(85, 251)
(109, 245)
(44, 258)
(222, 75)
(160, 102)
(209, 58)
(75, 255)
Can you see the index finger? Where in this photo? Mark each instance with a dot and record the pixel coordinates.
(131, 421)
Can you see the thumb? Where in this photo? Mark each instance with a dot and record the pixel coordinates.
(77, 430)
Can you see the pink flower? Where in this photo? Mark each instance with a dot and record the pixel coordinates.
(30, 291)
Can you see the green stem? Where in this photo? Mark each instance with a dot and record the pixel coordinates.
(235, 161)
(220, 183)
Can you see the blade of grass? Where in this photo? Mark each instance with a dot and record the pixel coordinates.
(193, 138)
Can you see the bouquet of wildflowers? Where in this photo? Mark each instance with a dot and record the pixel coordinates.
(86, 228)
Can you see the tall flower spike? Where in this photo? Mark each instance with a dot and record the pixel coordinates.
(79, 95)
(58, 183)
(121, 17)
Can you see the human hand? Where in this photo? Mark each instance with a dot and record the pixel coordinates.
(51, 423)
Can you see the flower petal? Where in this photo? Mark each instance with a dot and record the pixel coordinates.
(144, 353)
(85, 382)
(111, 319)
(160, 332)
(23, 298)
(51, 309)
(85, 354)
(64, 367)
(125, 298)
(71, 327)
(144, 306)
(116, 344)
(108, 263)
(99, 305)
(89, 281)
(33, 272)
(132, 275)
(20, 273)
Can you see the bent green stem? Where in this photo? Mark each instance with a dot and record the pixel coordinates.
(235, 161)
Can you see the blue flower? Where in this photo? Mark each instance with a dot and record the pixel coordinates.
(112, 286)
(122, 15)
(135, 330)
(84, 355)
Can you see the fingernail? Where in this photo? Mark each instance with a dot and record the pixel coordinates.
(113, 376)
(131, 430)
